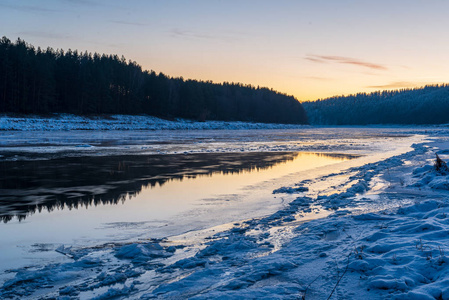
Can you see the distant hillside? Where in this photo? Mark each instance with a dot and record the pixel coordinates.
(427, 105)
(36, 81)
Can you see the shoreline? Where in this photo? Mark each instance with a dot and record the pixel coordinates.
(65, 122)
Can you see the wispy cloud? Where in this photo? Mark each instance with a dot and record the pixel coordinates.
(82, 2)
(186, 33)
(344, 60)
(96, 4)
(28, 8)
(176, 32)
(397, 85)
(315, 60)
(44, 34)
(128, 23)
(317, 78)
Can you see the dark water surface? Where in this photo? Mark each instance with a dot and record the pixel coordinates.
(90, 200)
(30, 186)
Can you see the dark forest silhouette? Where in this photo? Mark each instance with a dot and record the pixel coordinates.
(426, 105)
(37, 81)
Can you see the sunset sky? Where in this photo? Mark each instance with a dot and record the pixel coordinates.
(308, 49)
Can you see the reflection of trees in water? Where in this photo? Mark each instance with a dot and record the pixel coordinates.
(72, 183)
(340, 156)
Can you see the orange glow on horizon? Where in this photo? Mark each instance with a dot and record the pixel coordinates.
(300, 48)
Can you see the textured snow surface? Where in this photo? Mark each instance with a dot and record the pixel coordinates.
(384, 234)
(122, 122)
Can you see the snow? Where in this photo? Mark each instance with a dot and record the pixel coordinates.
(382, 232)
(122, 122)
(291, 190)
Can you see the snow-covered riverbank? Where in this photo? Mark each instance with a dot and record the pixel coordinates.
(122, 122)
(382, 233)
(397, 251)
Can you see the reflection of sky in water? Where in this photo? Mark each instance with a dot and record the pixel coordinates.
(190, 194)
(30, 186)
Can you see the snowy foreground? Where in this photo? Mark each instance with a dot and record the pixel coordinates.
(122, 122)
(397, 251)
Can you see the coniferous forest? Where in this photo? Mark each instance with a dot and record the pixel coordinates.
(426, 105)
(37, 81)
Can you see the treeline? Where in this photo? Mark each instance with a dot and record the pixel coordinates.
(46, 81)
(426, 105)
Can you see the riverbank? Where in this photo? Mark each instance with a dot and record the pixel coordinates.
(123, 122)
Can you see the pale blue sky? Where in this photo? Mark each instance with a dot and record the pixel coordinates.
(309, 49)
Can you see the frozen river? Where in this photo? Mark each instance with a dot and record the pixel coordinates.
(92, 188)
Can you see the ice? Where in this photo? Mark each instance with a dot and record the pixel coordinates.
(115, 293)
(142, 253)
(291, 190)
(69, 291)
(382, 232)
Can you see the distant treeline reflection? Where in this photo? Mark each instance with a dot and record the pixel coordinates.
(30, 186)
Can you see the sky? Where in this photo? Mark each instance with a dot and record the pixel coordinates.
(308, 49)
